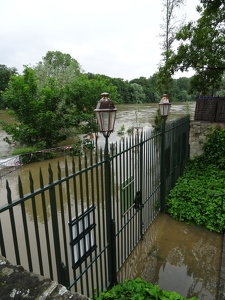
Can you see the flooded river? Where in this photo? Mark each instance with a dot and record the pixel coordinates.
(129, 115)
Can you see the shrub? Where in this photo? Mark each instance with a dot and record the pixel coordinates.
(139, 289)
(214, 148)
(121, 131)
(75, 150)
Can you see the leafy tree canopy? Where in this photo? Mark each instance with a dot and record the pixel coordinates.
(202, 47)
(5, 74)
(82, 95)
(58, 65)
(36, 111)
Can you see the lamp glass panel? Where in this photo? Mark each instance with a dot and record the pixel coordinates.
(105, 120)
(164, 109)
(112, 116)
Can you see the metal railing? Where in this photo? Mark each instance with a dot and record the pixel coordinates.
(60, 228)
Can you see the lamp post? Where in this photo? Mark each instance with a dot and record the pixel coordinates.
(164, 107)
(106, 114)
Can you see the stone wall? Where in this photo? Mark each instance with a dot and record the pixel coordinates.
(198, 135)
(17, 283)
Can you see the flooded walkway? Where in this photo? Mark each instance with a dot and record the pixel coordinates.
(179, 257)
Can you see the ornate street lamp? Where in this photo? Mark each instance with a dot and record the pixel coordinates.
(106, 115)
(164, 107)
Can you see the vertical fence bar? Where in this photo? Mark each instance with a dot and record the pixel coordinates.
(64, 268)
(26, 234)
(2, 243)
(82, 211)
(46, 225)
(76, 211)
(103, 215)
(141, 185)
(34, 210)
(94, 221)
(55, 226)
(109, 221)
(13, 226)
(100, 232)
(162, 167)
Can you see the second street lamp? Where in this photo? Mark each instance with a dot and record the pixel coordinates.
(164, 107)
(106, 114)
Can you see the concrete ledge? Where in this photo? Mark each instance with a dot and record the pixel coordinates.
(17, 283)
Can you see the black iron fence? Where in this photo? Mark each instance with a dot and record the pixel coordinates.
(80, 227)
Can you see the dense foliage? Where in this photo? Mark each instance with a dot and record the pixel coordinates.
(49, 108)
(36, 112)
(202, 47)
(5, 74)
(139, 289)
(193, 198)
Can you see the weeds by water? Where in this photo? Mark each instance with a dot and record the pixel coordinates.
(153, 252)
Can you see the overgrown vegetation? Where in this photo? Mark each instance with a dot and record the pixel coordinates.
(193, 197)
(139, 289)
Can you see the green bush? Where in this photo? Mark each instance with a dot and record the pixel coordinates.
(139, 289)
(214, 149)
(121, 131)
(76, 150)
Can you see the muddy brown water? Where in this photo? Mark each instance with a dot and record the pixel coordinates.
(179, 257)
(129, 115)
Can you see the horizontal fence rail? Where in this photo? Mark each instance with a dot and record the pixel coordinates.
(68, 227)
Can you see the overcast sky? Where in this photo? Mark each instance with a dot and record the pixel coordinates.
(116, 38)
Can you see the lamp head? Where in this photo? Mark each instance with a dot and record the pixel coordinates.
(106, 114)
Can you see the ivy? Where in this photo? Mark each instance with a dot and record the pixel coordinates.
(193, 197)
(139, 289)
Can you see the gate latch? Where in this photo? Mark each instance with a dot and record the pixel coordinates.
(138, 200)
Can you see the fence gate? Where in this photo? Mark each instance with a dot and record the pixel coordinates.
(76, 227)
(139, 191)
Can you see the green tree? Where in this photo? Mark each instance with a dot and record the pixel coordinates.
(180, 90)
(170, 27)
(123, 87)
(82, 96)
(36, 111)
(58, 65)
(202, 47)
(5, 74)
(149, 88)
(137, 93)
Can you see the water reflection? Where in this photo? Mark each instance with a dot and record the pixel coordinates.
(179, 257)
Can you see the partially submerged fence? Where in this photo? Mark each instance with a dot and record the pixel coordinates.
(67, 230)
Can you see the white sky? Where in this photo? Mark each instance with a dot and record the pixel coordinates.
(116, 38)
